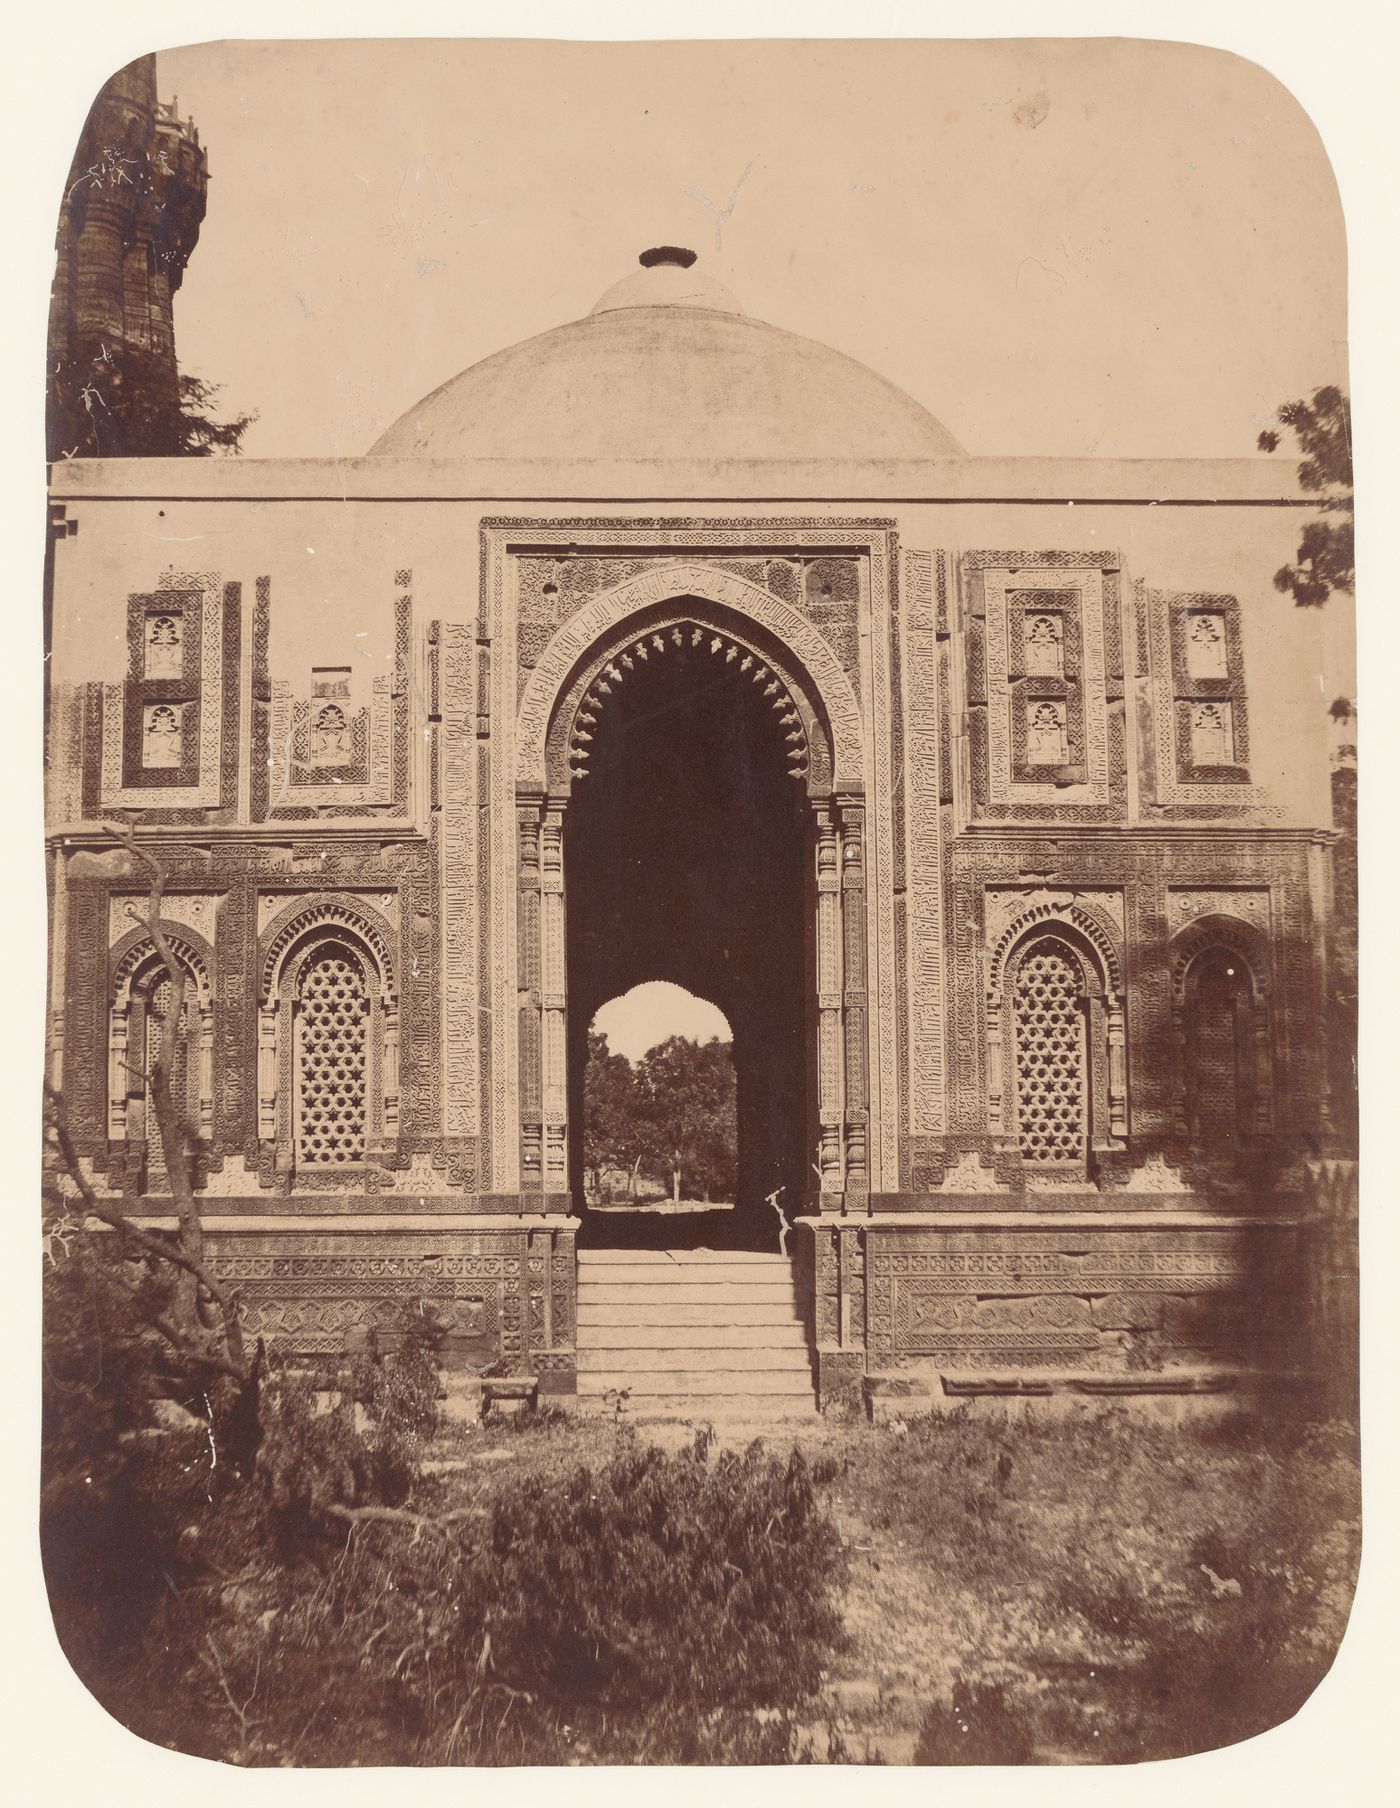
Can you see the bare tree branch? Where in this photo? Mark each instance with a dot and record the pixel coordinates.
(162, 1249)
(174, 1131)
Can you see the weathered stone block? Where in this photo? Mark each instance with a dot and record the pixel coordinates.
(1202, 1319)
(839, 1374)
(1128, 1312)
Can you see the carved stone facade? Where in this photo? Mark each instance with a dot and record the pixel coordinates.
(1062, 920)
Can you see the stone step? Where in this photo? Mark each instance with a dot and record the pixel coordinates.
(694, 1358)
(605, 1332)
(723, 1383)
(670, 1313)
(714, 1293)
(681, 1258)
(684, 1274)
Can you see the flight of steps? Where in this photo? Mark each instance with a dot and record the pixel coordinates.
(692, 1332)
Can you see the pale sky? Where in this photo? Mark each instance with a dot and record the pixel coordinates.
(1079, 246)
(649, 1013)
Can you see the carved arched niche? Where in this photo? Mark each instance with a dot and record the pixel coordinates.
(138, 983)
(328, 1037)
(1222, 1022)
(772, 630)
(1056, 1042)
(734, 628)
(709, 636)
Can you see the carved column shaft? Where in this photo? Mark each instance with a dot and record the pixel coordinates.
(553, 1054)
(996, 1067)
(116, 1074)
(857, 1105)
(1117, 1069)
(843, 1293)
(267, 1072)
(391, 1067)
(204, 1074)
(58, 976)
(528, 995)
(829, 1050)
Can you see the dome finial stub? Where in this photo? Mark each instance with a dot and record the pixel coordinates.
(678, 255)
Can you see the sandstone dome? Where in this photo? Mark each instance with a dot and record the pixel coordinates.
(667, 366)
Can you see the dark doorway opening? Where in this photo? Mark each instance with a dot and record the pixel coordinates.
(686, 856)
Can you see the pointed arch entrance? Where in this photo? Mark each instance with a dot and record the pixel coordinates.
(690, 827)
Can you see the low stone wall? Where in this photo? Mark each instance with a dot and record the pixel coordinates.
(504, 1293)
(1022, 1293)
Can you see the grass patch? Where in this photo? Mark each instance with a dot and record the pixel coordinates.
(1103, 1588)
(636, 1607)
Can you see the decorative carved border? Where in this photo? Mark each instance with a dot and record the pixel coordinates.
(679, 629)
(1070, 912)
(456, 1049)
(376, 779)
(200, 780)
(1083, 688)
(674, 581)
(1018, 1297)
(692, 544)
(331, 910)
(1242, 939)
(925, 706)
(1174, 691)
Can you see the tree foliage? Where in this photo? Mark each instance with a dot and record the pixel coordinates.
(1326, 559)
(613, 1130)
(672, 1114)
(120, 403)
(690, 1093)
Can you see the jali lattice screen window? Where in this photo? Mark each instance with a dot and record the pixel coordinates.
(1051, 1056)
(332, 1020)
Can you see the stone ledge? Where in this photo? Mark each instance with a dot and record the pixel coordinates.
(1199, 482)
(369, 1221)
(1016, 1218)
(889, 1393)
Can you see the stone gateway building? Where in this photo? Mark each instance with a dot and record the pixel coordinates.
(987, 798)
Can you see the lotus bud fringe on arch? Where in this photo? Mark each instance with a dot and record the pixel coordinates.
(688, 640)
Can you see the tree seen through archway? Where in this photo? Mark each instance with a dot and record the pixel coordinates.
(661, 1129)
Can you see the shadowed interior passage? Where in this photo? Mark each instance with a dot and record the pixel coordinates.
(686, 859)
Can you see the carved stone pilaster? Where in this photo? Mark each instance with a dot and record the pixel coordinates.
(528, 978)
(204, 1070)
(829, 1051)
(391, 1068)
(1117, 1068)
(554, 1078)
(267, 1072)
(857, 1099)
(996, 1067)
(117, 1032)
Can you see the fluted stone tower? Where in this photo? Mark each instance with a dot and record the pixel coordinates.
(129, 219)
